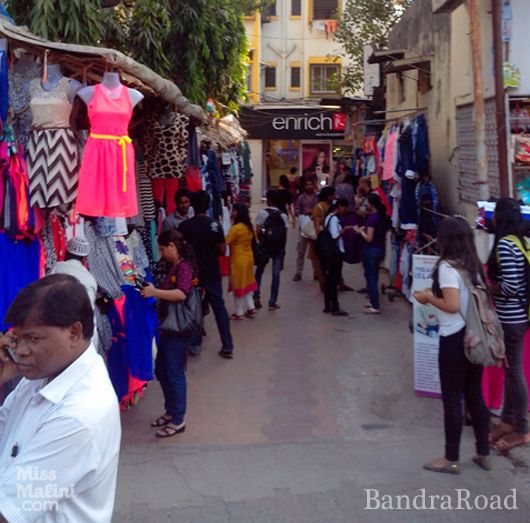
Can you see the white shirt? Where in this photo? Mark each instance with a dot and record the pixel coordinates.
(451, 323)
(335, 228)
(59, 446)
(76, 269)
(262, 216)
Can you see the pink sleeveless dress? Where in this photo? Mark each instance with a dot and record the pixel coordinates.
(107, 183)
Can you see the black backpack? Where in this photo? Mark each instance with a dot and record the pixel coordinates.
(325, 246)
(273, 235)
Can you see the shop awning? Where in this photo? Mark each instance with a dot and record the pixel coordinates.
(422, 63)
(386, 55)
(89, 63)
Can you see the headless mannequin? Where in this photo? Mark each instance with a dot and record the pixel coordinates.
(54, 76)
(111, 81)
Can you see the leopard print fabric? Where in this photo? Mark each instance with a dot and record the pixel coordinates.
(166, 147)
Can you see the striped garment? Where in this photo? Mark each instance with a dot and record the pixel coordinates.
(512, 304)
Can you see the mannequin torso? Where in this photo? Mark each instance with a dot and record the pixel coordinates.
(53, 76)
(111, 81)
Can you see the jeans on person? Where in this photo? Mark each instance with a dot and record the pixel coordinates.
(214, 296)
(460, 379)
(372, 258)
(515, 409)
(277, 266)
(301, 249)
(170, 370)
(332, 270)
(244, 302)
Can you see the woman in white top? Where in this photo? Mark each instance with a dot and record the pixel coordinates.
(332, 265)
(458, 377)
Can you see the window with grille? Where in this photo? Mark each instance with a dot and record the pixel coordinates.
(270, 76)
(296, 7)
(325, 78)
(325, 9)
(295, 76)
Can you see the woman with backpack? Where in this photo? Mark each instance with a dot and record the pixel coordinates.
(459, 378)
(374, 235)
(242, 280)
(332, 255)
(508, 269)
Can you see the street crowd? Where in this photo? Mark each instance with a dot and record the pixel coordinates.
(53, 324)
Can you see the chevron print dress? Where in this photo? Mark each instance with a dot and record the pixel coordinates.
(52, 155)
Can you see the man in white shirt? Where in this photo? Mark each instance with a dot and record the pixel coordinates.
(77, 251)
(60, 428)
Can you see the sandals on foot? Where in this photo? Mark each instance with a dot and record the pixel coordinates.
(251, 314)
(236, 317)
(162, 421)
(171, 430)
(452, 467)
(502, 429)
(484, 462)
(511, 440)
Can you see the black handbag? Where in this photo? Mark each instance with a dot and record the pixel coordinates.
(261, 256)
(184, 318)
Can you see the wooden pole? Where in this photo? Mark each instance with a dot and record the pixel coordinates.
(478, 91)
(500, 102)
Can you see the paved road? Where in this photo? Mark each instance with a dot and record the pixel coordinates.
(311, 411)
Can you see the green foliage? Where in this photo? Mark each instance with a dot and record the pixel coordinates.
(208, 49)
(365, 22)
(76, 21)
(201, 44)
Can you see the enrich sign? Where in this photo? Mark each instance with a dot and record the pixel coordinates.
(293, 124)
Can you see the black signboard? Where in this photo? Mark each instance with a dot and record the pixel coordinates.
(294, 124)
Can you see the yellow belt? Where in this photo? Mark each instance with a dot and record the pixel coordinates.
(122, 142)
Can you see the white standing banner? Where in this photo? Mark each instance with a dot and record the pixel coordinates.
(425, 329)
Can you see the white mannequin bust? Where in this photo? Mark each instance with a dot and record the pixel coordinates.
(111, 81)
(53, 76)
(3, 44)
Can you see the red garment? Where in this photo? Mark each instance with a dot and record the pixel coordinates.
(385, 201)
(59, 237)
(193, 179)
(107, 184)
(164, 190)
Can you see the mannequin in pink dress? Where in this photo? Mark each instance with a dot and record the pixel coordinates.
(107, 185)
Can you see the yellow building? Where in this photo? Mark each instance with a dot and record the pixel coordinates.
(295, 64)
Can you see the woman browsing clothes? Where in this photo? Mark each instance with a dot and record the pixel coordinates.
(242, 280)
(374, 235)
(170, 364)
(507, 267)
(459, 378)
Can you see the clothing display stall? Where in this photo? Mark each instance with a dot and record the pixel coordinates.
(61, 179)
(94, 145)
(398, 161)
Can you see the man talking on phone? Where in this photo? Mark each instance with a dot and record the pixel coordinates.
(60, 428)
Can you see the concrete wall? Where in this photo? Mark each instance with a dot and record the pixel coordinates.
(258, 180)
(446, 37)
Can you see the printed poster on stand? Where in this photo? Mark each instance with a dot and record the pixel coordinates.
(425, 330)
